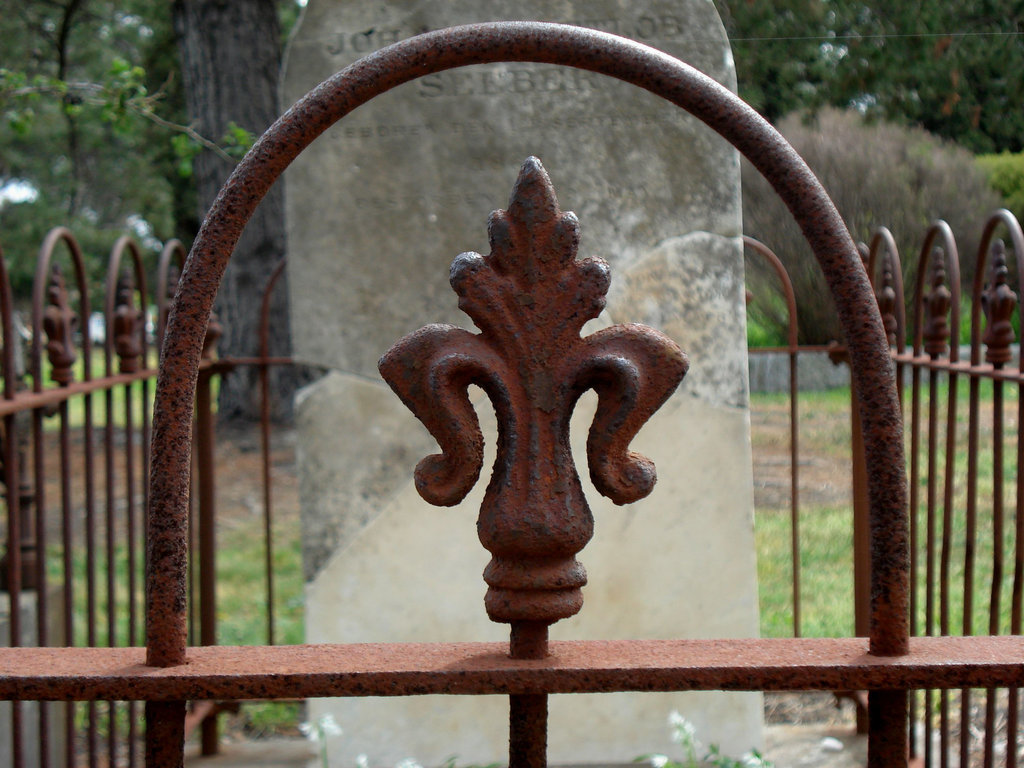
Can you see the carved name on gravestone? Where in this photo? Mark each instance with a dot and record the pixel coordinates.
(378, 207)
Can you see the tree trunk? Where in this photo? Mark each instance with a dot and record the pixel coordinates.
(231, 61)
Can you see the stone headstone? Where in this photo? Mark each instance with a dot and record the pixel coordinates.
(378, 207)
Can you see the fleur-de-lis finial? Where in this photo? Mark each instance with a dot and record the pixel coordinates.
(127, 325)
(59, 324)
(531, 297)
(936, 308)
(886, 298)
(998, 302)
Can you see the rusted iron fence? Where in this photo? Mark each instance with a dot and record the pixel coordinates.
(172, 670)
(77, 402)
(962, 415)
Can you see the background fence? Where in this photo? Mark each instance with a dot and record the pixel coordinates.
(962, 417)
(78, 366)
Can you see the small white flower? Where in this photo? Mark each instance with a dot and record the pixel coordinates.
(329, 725)
(319, 731)
(658, 761)
(754, 760)
(407, 763)
(683, 731)
(362, 761)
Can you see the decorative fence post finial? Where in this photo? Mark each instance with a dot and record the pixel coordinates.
(530, 297)
(998, 302)
(59, 324)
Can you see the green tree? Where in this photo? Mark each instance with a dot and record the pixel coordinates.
(955, 68)
(780, 50)
(231, 60)
(128, 115)
(74, 96)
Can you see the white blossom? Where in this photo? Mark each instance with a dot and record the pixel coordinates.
(324, 727)
(683, 731)
(329, 725)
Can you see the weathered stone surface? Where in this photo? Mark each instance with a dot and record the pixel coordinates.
(414, 575)
(357, 445)
(691, 287)
(378, 208)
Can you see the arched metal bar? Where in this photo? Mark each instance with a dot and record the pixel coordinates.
(1004, 218)
(883, 239)
(62, 324)
(1007, 219)
(174, 250)
(595, 51)
(939, 235)
(123, 244)
(55, 237)
(1013, 228)
(792, 339)
(136, 325)
(938, 243)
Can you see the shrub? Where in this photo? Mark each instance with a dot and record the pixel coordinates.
(878, 175)
(1005, 172)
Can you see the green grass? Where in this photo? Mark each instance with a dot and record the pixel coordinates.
(826, 570)
(241, 607)
(825, 550)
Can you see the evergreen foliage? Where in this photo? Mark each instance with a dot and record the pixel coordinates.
(954, 68)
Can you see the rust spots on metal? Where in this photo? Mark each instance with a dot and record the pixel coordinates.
(531, 297)
(413, 669)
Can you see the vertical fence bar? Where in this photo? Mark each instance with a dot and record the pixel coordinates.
(268, 509)
(998, 303)
(12, 470)
(528, 714)
(92, 728)
(204, 443)
(792, 341)
(14, 538)
(1016, 625)
(67, 530)
(936, 334)
(914, 516)
(42, 583)
(128, 325)
(1016, 628)
(110, 476)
